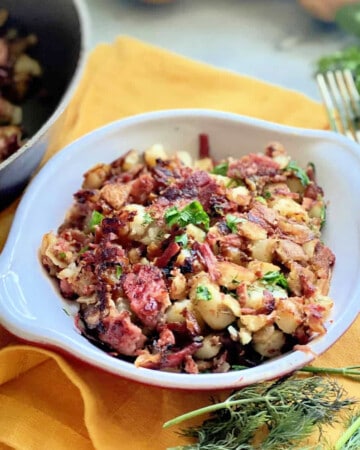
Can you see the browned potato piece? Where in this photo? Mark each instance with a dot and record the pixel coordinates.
(231, 275)
(96, 176)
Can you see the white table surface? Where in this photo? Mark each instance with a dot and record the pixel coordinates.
(273, 40)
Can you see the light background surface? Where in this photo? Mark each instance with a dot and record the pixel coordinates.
(273, 40)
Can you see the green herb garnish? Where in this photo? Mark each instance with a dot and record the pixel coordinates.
(350, 439)
(234, 183)
(182, 239)
(298, 172)
(341, 60)
(238, 367)
(118, 271)
(203, 293)
(232, 221)
(276, 278)
(267, 195)
(323, 216)
(290, 409)
(260, 199)
(96, 219)
(62, 255)
(147, 219)
(352, 372)
(221, 169)
(348, 18)
(83, 249)
(192, 213)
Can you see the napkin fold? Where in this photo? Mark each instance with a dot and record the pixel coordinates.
(48, 401)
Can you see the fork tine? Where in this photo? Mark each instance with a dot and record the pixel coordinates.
(341, 100)
(354, 100)
(328, 102)
(353, 92)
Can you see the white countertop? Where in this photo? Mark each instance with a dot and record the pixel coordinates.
(274, 40)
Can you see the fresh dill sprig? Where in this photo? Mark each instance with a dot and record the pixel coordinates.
(350, 439)
(285, 412)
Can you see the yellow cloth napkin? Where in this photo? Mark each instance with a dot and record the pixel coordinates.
(51, 402)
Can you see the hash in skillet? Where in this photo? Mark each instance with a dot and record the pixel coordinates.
(195, 266)
(18, 73)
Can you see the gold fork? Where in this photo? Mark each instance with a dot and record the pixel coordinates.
(342, 102)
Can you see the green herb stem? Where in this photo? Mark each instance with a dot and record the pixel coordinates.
(214, 407)
(350, 371)
(353, 428)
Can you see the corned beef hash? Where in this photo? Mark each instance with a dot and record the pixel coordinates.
(195, 266)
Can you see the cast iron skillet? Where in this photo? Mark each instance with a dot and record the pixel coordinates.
(62, 30)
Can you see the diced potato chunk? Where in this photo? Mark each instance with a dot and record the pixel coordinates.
(326, 303)
(239, 195)
(288, 250)
(255, 294)
(288, 316)
(251, 230)
(153, 234)
(263, 249)
(255, 297)
(177, 285)
(195, 232)
(26, 64)
(185, 158)
(268, 341)
(138, 225)
(260, 268)
(231, 275)
(175, 312)
(204, 164)
(253, 322)
(245, 336)
(296, 276)
(309, 247)
(71, 271)
(96, 176)
(48, 244)
(282, 160)
(130, 160)
(233, 304)
(316, 312)
(210, 348)
(289, 208)
(209, 302)
(152, 154)
(295, 185)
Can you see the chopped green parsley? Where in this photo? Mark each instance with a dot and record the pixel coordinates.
(147, 219)
(276, 278)
(96, 219)
(221, 169)
(192, 213)
(119, 271)
(203, 293)
(182, 239)
(298, 172)
(232, 221)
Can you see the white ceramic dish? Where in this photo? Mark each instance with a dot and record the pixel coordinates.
(30, 306)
